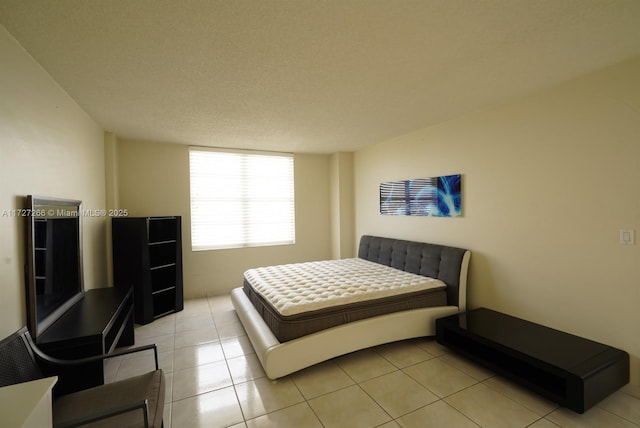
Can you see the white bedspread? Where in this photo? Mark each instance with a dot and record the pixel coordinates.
(302, 287)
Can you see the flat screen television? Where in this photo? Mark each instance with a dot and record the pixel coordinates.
(54, 280)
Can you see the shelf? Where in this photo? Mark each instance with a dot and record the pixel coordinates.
(172, 288)
(162, 229)
(147, 254)
(169, 312)
(164, 303)
(162, 254)
(168, 265)
(164, 278)
(169, 241)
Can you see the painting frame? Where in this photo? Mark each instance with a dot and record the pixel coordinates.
(439, 196)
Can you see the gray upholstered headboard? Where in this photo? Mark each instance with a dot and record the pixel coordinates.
(435, 261)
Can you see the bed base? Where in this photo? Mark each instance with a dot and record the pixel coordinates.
(280, 359)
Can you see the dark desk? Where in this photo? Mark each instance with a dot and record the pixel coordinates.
(570, 370)
(101, 321)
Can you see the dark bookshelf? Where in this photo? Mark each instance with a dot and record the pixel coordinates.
(147, 255)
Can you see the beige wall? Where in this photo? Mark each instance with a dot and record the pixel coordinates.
(154, 180)
(342, 214)
(548, 181)
(48, 147)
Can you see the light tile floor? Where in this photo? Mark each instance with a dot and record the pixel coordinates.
(214, 379)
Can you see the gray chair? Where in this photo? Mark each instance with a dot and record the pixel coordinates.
(134, 402)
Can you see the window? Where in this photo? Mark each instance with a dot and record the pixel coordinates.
(241, 199)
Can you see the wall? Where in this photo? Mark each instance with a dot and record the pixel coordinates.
(48, 147)
(342, 215)
(111, 191)
(154, 180)
(548, 181)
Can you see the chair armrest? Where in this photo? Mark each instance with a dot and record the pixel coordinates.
(61, 362)
(142, 405)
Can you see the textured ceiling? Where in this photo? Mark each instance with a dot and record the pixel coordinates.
(310, 75)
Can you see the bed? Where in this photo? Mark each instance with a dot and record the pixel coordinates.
(289, 338)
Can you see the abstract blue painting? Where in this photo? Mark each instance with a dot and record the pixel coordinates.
(434, 196)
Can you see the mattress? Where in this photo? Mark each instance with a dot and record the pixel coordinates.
(302, 298)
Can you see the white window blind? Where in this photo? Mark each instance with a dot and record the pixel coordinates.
(241, 199)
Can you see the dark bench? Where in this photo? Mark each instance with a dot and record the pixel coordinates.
(570, 370)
